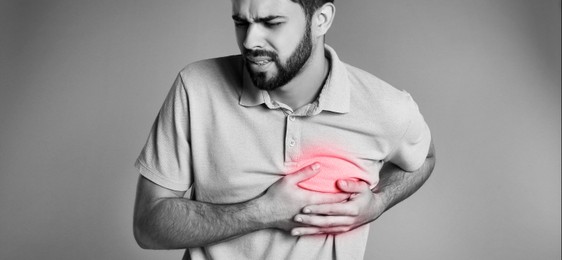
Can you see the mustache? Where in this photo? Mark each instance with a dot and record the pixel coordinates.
(260, 53)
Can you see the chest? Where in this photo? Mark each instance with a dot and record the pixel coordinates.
(238, 153)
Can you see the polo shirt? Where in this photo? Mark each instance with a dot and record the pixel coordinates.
(227, 141)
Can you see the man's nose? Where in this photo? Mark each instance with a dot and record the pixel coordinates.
(254, 37)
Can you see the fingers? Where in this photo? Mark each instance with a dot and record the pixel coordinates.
(321, 224)
(328, 198)
(304, 231)
(304, 173)
(340, 216)
(352, 186)
(334, 209)
(324, 221)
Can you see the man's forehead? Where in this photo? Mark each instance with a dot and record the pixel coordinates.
(253, 9)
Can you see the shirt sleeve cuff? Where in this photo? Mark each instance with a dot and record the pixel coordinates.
(159, 178)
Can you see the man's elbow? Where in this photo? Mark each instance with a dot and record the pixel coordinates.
(144, 237)
(141, 238)
(431, 157)
(431, 151)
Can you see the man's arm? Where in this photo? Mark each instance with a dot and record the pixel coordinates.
(395, 185)
(163, 219)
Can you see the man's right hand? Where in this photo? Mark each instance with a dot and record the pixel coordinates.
(285, 199)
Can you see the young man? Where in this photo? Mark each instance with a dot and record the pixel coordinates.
(288, 152)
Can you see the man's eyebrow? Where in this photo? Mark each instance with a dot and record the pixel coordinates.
(268, 18)
(238, 18)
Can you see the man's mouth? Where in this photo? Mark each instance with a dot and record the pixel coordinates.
(260, 61)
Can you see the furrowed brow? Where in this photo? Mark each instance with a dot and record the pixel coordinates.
(238, 18)
(268, 18)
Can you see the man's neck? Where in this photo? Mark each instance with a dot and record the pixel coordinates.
(306, 86)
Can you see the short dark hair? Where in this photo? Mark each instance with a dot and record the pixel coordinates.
(310, 6)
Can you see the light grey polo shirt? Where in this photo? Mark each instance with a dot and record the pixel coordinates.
(229, 142)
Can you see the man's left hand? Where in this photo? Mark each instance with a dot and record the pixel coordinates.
(361, 208)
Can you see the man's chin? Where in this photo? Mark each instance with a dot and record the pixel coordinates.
(262, 80)
(265, 85)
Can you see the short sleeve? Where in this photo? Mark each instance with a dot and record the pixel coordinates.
(166, 156)
(412, 149)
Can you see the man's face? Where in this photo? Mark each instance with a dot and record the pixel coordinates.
(274, 38)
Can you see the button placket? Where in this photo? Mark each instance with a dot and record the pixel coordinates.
(292, 138)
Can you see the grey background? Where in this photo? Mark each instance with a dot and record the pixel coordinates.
(81, 83)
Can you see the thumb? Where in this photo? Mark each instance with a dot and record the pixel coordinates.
(305, 173)
(352, 186)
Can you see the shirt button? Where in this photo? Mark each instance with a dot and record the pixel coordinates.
(292, 118)
(292, 143)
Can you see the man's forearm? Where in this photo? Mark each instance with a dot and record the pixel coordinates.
(181, 223)
(163, 219)
(395, 184)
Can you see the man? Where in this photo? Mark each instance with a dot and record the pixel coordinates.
(280, 147)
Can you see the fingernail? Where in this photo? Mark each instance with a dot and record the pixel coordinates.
(315, 166)
(295, 233)
(298, 219)
(343, 183)
(306, 210)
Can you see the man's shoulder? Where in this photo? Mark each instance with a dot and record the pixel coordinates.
(372, 86)
(215, 69)
(387, 103)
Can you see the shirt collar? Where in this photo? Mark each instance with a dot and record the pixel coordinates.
(334, 96)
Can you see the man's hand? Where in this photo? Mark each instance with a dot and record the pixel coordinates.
(285, 199)
(365, 205)
(332, 218)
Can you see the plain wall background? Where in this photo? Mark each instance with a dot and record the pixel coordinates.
(82, 81)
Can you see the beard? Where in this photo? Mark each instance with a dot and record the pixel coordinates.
(285, 72)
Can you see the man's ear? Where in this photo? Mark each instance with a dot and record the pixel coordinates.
(322, 19)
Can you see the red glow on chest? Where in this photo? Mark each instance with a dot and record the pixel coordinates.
(334, 166)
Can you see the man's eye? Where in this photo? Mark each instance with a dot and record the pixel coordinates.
(272, 24)
(240, 24)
